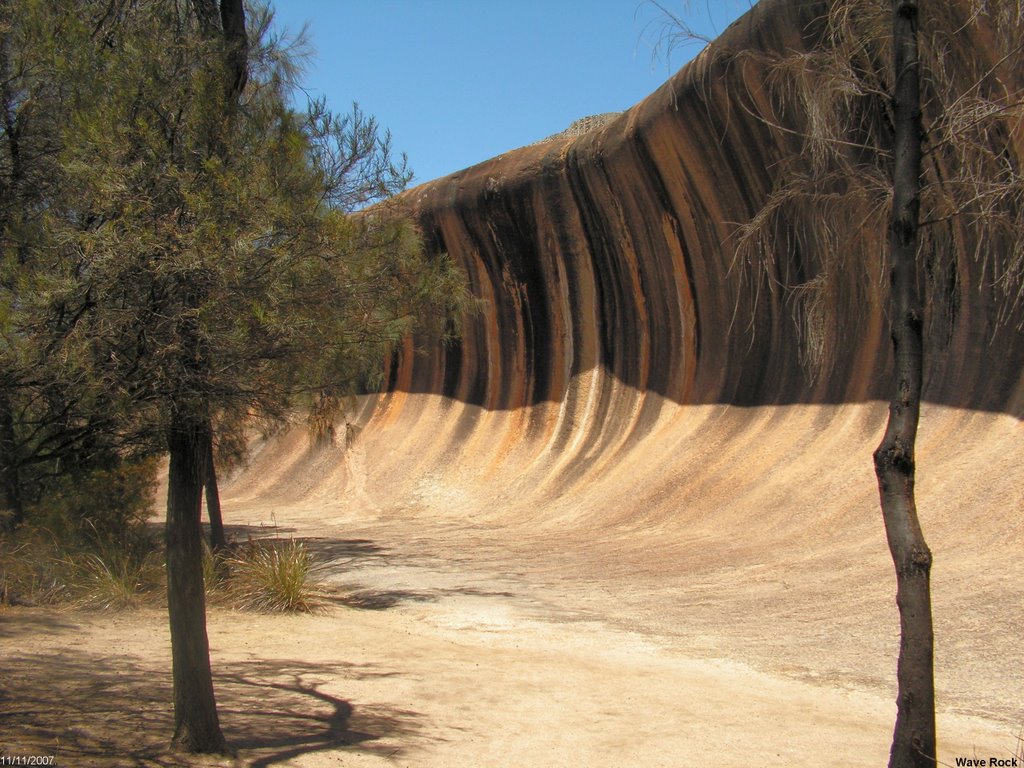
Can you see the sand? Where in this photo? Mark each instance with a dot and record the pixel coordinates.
(475, 624)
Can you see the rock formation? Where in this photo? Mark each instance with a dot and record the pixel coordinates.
(604, 262)
(629, 391)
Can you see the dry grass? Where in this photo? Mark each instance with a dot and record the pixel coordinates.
(266, 575)
(272, 575)
(37, 569)
(30, 571)
(114, 579)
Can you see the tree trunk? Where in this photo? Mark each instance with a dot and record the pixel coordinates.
(196, 724)
(10, 482)
(218, 541)
(913, 744)
(226, 21)
(232, 19)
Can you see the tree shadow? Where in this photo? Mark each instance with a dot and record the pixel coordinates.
(379, 599)
(235, 533)
(32, 624)
(238, 532)
(342, 553)
(335, 557)
(352, 596)
(88, 709)
(298, 714)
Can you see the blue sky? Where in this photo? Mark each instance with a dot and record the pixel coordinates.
(460, 81)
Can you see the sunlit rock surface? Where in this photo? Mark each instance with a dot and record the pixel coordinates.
(625, 366)
(626, 389)
(605, 269)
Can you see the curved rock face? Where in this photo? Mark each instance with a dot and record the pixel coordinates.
(630, 394)
(605, 264)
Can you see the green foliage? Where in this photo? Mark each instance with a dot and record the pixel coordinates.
(165, 255)
(229, 243)
(89, 542)
(103, 508)
(273, 575)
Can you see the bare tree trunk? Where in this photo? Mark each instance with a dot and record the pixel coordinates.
(913, 744)
(196, 724)
(232, 19)
(227, 22)
(218, 541)
(10, 482)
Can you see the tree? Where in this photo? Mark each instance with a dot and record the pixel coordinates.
(235, 74)
(218, 539)
(203, 259)
(913, 741)
(26, 165)
(871, 138)
(51, 422)
(903, 125)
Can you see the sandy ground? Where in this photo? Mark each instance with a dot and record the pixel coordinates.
(493, 639)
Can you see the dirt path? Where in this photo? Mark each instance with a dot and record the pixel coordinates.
(451, 648)
(702, 600)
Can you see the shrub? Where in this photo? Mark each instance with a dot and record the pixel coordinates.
(86, 541)
(113, 579)
(32, 571)
(273, 575)
(37, 569)
(100, 508)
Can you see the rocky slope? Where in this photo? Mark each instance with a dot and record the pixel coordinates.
(629, 405)
(610, 256)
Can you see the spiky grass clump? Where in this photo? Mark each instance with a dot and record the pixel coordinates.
(273, 575)
(113, 578)
(31, 571)
(86, 541)
(215, 574)
(38, 569)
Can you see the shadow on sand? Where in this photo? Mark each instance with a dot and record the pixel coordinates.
(95, 710)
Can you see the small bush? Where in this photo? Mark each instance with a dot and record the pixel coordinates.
(86, 541)
(113, 579)
(103, 508)
(273, 575)
(37, 569)
(32, 570)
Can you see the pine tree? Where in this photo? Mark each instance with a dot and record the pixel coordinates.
(205, 266)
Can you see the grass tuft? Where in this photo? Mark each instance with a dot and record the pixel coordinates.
(32, 571)
(215, 573)
(38, 569)
(113, 579)
(273, 575)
